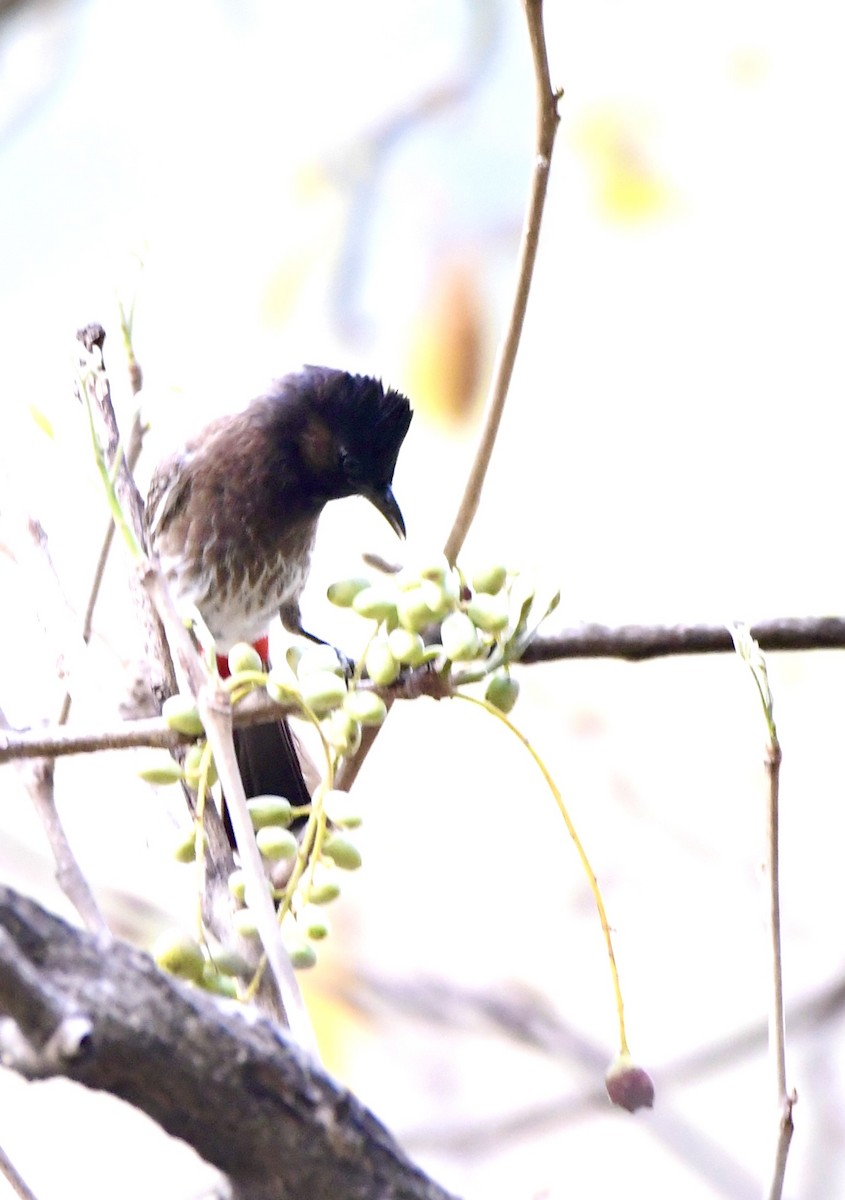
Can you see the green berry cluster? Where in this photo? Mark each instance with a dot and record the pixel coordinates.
(471, 627)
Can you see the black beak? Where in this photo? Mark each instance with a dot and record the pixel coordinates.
(385, 502)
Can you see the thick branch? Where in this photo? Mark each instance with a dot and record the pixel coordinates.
(231, 1085)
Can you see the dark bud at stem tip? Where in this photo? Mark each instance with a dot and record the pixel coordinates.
(628, 1085)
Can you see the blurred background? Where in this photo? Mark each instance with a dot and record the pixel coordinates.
(272, 183)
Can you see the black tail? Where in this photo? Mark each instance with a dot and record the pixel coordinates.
(269, 764)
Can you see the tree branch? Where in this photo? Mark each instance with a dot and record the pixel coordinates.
(547, 118)
(273, 1121)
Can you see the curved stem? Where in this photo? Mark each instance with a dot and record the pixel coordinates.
(582, 854)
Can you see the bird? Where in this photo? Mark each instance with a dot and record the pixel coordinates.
(231, 516)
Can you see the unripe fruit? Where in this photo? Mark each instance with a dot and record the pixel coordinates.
(459, 637)
(629, 1086)
(219, 985)
(243, 923)
(281, 690)
(378, 603)
(243, 657)
(366, 707)
(381, 666)
(489, 613)
(179, 954)
(269, 810)
(301, 954)
(322, 691)
(313, 923)
(342, 852)
(489, 579)
(324, 886)
(185, 850)
(406, 646)
(276, 843)
(162, 772)
(225, 961)
(413, 611)
(318, 658)
(180, 713)
(342, 731)
(502, 692)
(440, 599)
(236, 884)
(193, 765)
(343, 592)
(341, 809)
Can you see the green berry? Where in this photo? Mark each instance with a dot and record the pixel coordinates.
(489, 579)
(406, 646)
(281, 690)
(381, 666)
(489, 613)
(225, 961)
(236, 884)
(313, 922)
(219, 985)
(413, 610)
(162, 771)
(377, 602)
(276, 843)
(344, 854)
(324, 886)
(366, 707)
(502, 691)
(244, 924)
(193, 765)
(318, 658)
(243, 657)
(180, 713)
(185, 850)
(301, 954)
(344, 591)
(341, 809)
(322, 691)
(179, 954)
(269, 810)
(459, 637)
(342, 731)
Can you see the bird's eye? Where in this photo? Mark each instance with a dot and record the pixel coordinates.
(351, 467)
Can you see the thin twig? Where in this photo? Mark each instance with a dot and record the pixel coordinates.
(14, 1179)
(546, 121)
(547, 118)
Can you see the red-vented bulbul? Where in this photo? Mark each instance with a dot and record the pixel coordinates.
(232, 518)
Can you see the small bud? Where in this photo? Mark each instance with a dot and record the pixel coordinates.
(502, 691)
(322, 691)
(180, 713)
(179, 954)
(628, 1085)
(243, 657)
(269, 810)
(318, 658)
(489, 613)
(459, 637)
(344, 591)
(341, 809)
(378, 603)
(366, 707)
(276, 843)
(342, 852)
(489, 579)
(162, 771)
(381, 666)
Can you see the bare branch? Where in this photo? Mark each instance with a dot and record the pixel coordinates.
(273, 1122)
(546, 127)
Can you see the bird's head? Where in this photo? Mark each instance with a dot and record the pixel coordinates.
(350, 437)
